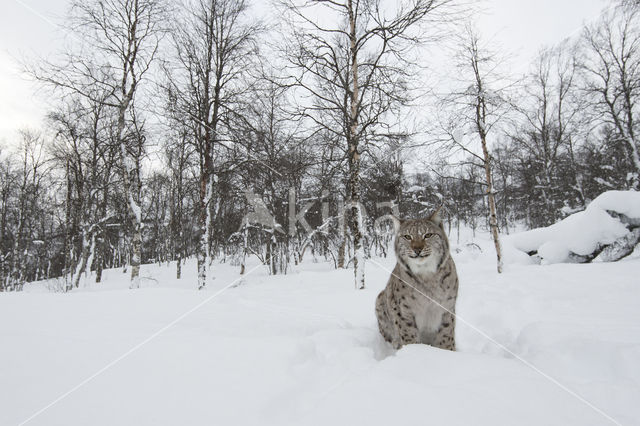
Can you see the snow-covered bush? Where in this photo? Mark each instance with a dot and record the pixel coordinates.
(607, 230)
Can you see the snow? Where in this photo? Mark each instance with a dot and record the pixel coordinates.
(137, 212)
(623, 202)
(304, 349)
(580, 233)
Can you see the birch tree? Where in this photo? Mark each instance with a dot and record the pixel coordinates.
(352, 70)
(474, 111)
(8, 179)
(118, 41)
(30, 178)
(79, 148)
(611, 74)
(551, 119)
(214, 48)
(179, 156)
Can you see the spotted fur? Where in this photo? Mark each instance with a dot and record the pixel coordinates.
(423, 282)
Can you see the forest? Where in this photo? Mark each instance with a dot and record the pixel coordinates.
(194, 129)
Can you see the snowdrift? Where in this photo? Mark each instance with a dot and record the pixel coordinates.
(607, 230)
(303, 349)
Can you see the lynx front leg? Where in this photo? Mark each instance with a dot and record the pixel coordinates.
(385, 322)
(397, 327)
(445, 339)
(407, 329)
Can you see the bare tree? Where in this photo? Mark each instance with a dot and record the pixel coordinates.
(611, 73)
(83, 151)
(353, 69)
(214, 45)
(551, 120)
(32, 171)
(179, 158)
(120, 39)
(277, 157)
(8, 180)
(475, 110)
(629, 3)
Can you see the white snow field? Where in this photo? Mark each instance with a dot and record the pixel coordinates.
(304, 349)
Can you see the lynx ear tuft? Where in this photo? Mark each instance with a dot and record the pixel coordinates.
(435, 217)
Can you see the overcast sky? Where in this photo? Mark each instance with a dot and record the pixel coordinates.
(27, 28)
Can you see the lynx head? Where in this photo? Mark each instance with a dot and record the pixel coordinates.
(421, 244)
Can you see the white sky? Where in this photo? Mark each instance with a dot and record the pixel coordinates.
(521, 27)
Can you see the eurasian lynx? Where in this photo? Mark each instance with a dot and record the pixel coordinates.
(424, 265)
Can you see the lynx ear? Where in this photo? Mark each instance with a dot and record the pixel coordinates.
(435, 217)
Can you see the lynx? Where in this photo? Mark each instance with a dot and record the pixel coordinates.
(423, 282)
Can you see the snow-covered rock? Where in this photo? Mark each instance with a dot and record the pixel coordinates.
(606, 225)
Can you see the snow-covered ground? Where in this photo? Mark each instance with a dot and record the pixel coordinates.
(304, 349)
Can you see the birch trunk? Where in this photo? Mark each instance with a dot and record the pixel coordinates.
(88, 246)
(100, 252)
(244, 249)
(203, 254)
(480, 121)
(343, 243)
(354, 157)
(493, 217)
(101, 238)
(134, 208)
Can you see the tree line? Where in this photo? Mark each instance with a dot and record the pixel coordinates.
(172, 122)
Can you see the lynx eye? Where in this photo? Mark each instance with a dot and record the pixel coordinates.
(407, 237)
(428, 235)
